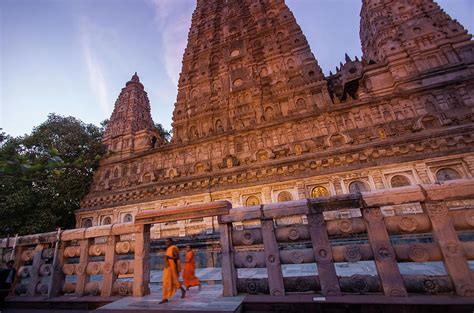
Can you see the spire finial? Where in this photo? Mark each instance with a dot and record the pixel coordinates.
(135, 78)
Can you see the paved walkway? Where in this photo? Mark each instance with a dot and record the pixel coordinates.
(342, 269)
(212, 275)
(209, 299)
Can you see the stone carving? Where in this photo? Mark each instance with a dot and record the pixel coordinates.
(69, 269)
(407, 224)
(247, 238)
(124, 247)
(297, 257)
(41, 288)
(250, 260)
(452, 249)
(345, 226)
(45, 270)
(373, 215)
(430, 286)
(123, 267)
(383, 254)
(94, 268)
(271, 259)
(293, 234)
(418, 253)
(322, 255)
(359, 284)
(107, 268)
(97, 250)
(72, 251)
(252, 287)
(437, 211)
(352, 254)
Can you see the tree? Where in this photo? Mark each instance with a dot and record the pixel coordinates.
(44, 175)
(164, 134)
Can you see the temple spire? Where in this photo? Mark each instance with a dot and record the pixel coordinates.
(244, 52)
(417, 33)
(131, 128)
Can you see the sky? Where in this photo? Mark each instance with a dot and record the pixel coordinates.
(72, 57)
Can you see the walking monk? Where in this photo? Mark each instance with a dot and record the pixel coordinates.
(172, 267)
(189, 279)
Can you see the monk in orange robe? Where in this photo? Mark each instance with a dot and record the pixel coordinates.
(189, 278)
(172, 267)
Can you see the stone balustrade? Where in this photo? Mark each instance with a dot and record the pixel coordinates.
(64, 262)
(368, 237)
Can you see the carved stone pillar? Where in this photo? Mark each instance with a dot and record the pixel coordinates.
(108, 275)
(300, 187)
(182, 228)
(422, 171)
(267, 195)
(236, 203)
(337, 183)
(454, 258)
(377, 177)
(141, 265)
(34, 271)
(470, 164)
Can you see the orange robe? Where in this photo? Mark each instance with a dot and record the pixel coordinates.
(171, 273)
(189, 278)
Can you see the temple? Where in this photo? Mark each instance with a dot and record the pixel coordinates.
(256, 121)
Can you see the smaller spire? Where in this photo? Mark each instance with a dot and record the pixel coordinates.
(348, 59)
(135, 78)
(330, 73)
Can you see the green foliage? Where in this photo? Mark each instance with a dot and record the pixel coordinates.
(164, 134)
(44, 175)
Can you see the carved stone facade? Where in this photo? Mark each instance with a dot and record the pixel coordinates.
(257, 122)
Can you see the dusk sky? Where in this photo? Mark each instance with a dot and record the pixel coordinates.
(72, 57)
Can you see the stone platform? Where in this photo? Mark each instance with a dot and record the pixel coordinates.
(69, 304)
(209, 299)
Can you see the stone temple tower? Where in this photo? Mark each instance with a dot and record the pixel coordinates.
(256, 121)
(242, 59)
(413, 36)
(131, 128)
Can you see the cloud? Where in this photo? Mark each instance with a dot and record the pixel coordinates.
(173, 20)
(94, 67)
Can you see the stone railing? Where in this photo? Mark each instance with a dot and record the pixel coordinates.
(114, 259)
(96, 261)
(87, 261)
(445, 212)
